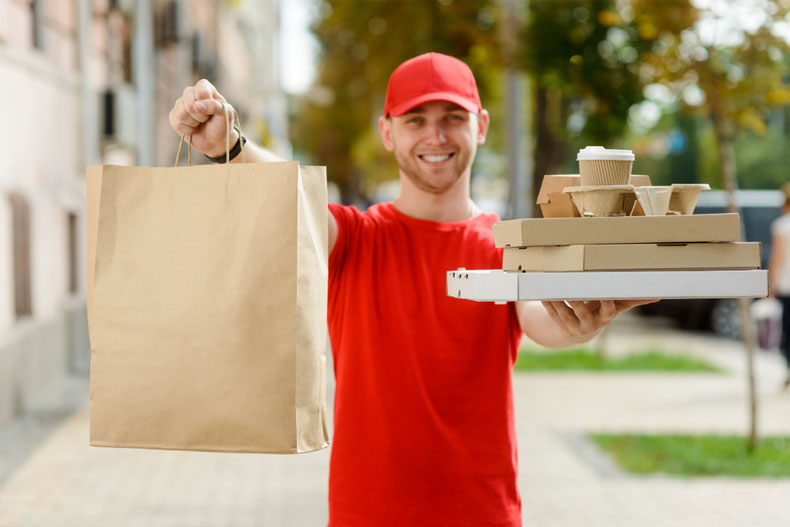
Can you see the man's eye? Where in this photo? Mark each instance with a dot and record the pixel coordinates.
(455, 117)
(414, 120)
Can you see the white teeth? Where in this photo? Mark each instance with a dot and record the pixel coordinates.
(435, 158)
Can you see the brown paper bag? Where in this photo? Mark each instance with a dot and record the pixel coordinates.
(207, 294)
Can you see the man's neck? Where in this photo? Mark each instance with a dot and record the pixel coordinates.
(453, 205)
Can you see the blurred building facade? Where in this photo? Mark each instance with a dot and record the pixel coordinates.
(88, 82)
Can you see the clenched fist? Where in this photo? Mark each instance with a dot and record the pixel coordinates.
(200, 113)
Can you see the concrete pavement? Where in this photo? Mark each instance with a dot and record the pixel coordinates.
(565, 481)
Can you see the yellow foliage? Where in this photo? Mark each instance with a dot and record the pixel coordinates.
(778, 96)
(647, 30)
(608, 18)
(751, 120)
(264, 133)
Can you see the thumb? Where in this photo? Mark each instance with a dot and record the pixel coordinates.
(211, 107)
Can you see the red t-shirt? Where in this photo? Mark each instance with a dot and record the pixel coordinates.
(424, 427)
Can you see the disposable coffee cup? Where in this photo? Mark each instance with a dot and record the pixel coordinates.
(603, 166)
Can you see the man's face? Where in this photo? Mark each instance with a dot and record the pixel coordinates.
(434, 143)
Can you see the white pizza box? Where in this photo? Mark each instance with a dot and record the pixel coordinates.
(494, 285)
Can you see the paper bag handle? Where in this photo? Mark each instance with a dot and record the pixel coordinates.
(229, 121)
(189, 150)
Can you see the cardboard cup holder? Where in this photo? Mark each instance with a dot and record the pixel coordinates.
(602, 200)
(607, 188)
(628, 200)
(654, 200)
(684, 197)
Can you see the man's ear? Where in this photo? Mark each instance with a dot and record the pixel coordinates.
(385, 130)
(483, 120)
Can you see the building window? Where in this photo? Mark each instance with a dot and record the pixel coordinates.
(73, 280)
(20, 225)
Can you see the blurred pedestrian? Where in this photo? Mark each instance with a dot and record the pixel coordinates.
(779, 273)
(424, 419)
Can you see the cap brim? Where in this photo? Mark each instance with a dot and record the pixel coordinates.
(403, 107)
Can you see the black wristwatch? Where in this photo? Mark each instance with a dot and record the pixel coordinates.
(233, 151)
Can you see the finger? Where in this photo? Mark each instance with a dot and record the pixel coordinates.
(182, 129)
(549, 307)
(190, 113)
(177, 120)
(592, 316)
(186, 116)
(179, 115)
(566, 317)
(608, 310)
(584, 311)
(625, 305)
(592, 305)
(205, 90)
(552, 312)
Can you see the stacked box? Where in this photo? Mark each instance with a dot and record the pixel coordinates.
(568, 255)
(564, 242)
(625, 243)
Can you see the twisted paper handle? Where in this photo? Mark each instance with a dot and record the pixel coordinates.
(189, 150)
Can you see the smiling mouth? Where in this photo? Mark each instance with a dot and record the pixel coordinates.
(435, 158)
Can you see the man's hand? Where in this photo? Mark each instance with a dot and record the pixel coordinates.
(586, 319)
(200, 113)
(557, 324)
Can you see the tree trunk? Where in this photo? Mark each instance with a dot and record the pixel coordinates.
(724, 137)
(603, 341)
(748, 341)
(549, 149)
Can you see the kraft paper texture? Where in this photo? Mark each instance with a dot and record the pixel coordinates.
(207, 293)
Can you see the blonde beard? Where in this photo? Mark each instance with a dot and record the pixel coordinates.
(407, 167)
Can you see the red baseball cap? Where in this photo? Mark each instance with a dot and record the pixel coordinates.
(431, 77)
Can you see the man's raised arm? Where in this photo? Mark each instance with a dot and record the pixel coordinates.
(200, 113)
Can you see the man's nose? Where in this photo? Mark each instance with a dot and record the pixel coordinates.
(438, 133)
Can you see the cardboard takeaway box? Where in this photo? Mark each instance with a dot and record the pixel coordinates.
(621, 257)
(630, 257)
(554, 204)
(566, 257)
(494, 285)
(617, 230)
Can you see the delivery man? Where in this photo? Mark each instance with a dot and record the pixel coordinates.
(424, 422)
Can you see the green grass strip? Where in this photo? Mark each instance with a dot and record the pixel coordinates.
(582, 359)
(704, 455)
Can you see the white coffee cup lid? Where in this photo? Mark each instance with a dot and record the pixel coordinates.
(594, 153)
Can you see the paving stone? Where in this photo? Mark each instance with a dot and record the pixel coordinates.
(63, 482)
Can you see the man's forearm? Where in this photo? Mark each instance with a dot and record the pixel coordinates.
(256, 154)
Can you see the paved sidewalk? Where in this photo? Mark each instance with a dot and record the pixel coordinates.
(565, 481)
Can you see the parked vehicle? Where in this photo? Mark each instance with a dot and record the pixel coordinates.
(758, 209)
